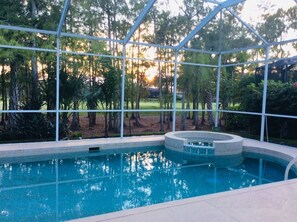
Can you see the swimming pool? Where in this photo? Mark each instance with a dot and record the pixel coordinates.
(56, 188)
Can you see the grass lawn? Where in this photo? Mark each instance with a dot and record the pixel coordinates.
(144, 104)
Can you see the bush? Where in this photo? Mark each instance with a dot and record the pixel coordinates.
(29, 127)
(281, 99)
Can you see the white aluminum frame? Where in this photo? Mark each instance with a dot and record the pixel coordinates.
(220, 6)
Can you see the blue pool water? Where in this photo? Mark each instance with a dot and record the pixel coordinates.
(57, 188)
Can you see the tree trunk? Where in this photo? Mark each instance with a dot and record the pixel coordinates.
(203, 113)
(196, 118)
(194, 107)
(106, 124)
(92, 115)
(75, 116)
(183, 114)
(209, 107)
(13, 96)
(110, 127)
(137, 116)
(34, 90)
(75, 121)
(92, 119)
(116, 119)
(224, 107)
(188, 108)
(168, 117)
(127, 106)
(160, 96)
(4, 96)
(109, 30)
(132, 85)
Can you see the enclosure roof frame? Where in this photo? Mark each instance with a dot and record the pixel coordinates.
(248, 26)
(63, 17)
(138, 21)
(220, 6)
(205, 21)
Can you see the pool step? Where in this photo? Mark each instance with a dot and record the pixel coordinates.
(199, 150)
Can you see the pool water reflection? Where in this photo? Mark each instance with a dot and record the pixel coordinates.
(66, 187)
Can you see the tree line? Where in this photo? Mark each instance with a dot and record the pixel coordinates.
(28, 77)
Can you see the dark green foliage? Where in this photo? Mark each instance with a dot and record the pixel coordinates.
(111, 80)
(71, 92)
(92, 95)
(281, 99)
(29, 127)
(233, 121)
(71, 86)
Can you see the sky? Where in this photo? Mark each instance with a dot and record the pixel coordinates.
(251, 14)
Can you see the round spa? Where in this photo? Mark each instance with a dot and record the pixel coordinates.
(204, 143)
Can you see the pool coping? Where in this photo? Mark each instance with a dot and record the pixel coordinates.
(188, 207)
(69, 146)
(267, 202)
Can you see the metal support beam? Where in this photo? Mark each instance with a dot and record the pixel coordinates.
(125, 41)
(201, 51)
(123, 91)
(264, 95)
(218, 90)
(63, 16)
(174, 91)
(243, 49)
(139, 20)
(261, 46)
(57, 88)
(23, 29)
(219, 71)
(204, 22)
(94, 38)
(58, 48)
(247, 26)
(212, 1)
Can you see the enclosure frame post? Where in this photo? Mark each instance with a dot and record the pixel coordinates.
(218, 85)
(218, 89)
(58, 52)
(174, 90)
(57, 88)
(264, 95)
(123, 90)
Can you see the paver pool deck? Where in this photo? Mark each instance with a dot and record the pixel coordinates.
(275, 202)
(270, 202)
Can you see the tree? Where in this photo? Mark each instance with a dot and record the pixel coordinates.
(272, 29)
(291, 17)
(109, 89)
(71, 91)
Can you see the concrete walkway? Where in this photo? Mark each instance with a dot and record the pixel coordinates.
(276, 202)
